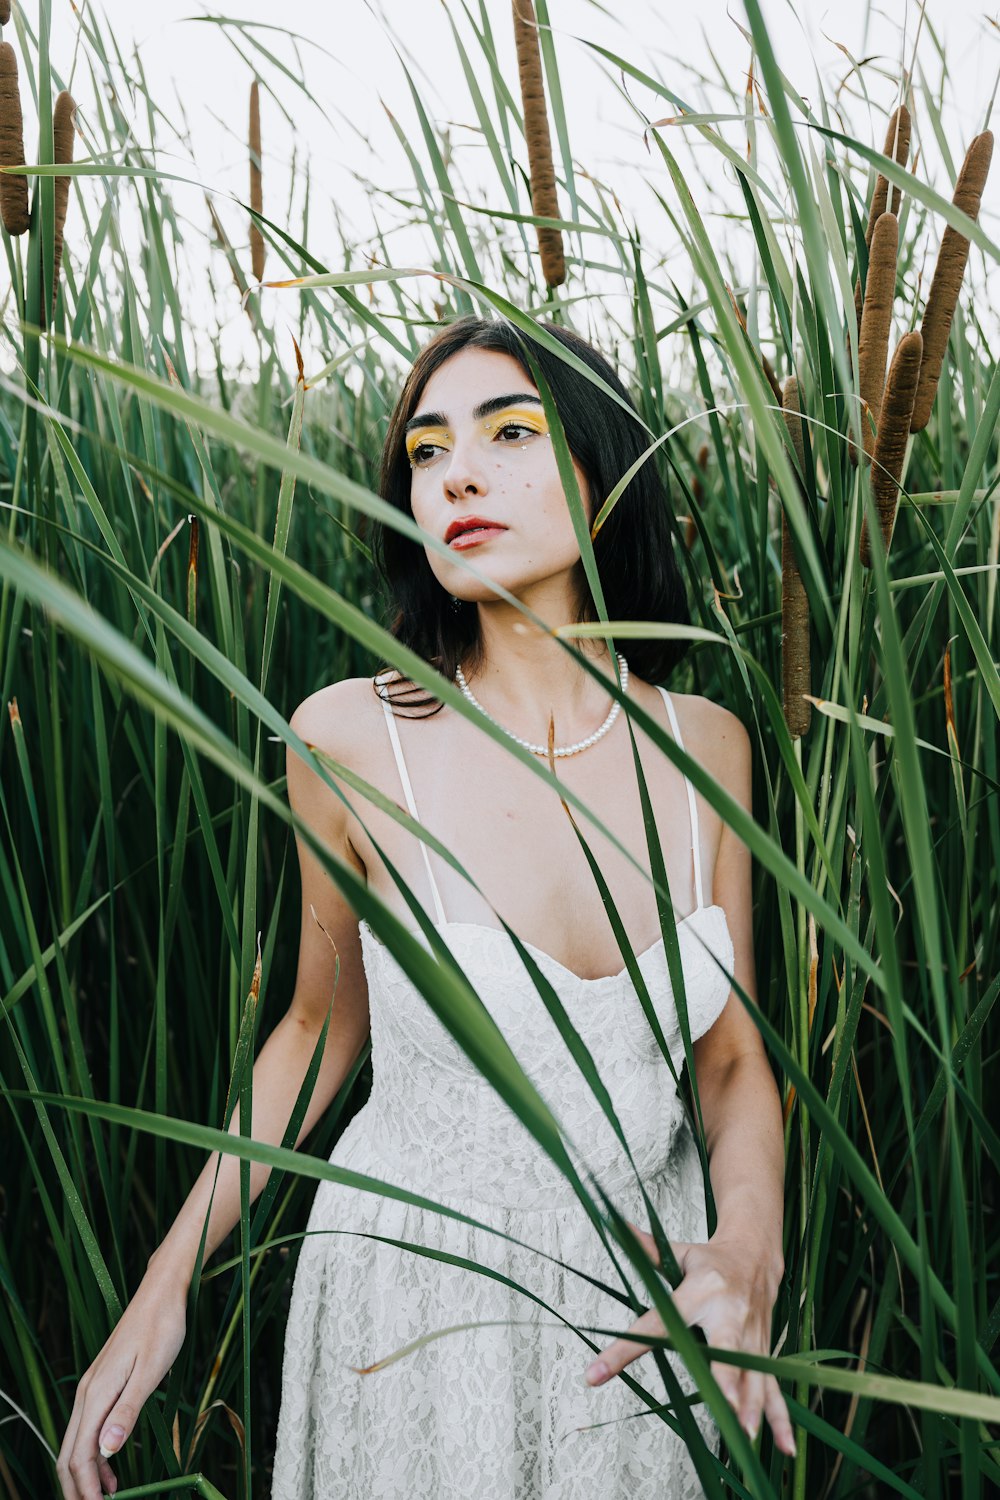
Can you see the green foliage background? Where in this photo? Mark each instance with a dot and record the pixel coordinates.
(144, 837)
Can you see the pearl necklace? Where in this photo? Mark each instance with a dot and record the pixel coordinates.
(543, 749)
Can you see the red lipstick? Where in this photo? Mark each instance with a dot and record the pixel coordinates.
(472, 529)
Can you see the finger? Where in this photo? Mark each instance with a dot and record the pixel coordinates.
(83, 1468)
(617, 1355)
(66, 1479)
(623, 1351)
(726, 1335)
(106, 1420)
(776, 1411)
(85, 1462)
(752, 1402)
(730, 1383)
(117, 1425)
(107, 1476)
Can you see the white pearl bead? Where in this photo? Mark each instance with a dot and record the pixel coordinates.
(543, 749)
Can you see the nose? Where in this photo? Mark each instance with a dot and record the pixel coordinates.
(463, 474)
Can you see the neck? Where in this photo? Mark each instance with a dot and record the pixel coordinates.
(524, 676)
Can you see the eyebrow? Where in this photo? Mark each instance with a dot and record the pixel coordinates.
(484, 409)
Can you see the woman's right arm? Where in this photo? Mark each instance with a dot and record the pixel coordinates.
(148, 1337)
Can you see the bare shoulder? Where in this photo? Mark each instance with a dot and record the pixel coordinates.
(338, 716)
(718, 739)
(340, 721)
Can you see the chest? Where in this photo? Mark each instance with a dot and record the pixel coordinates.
(512, 834)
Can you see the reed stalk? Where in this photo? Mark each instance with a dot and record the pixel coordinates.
(795, 670)
(63, 133)
(163, 610)
(256, 185)
(876, 322)
(544, 202)
(13, 188)
(893, 435)
(897, 146)
(948, 273)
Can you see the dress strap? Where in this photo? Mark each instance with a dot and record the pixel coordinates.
(397, 748)
(692, 803)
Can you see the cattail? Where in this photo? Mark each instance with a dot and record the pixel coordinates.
(4, 12)
(544, 202)
(770, 376)
(226, 246)
(13, 189)
(63, 131)
(897, 145)
(876, 316)
(697, 488)
(948, 273)
(256, 186)
(795, 671)
(893, 431)
(698, 491)
(762, 358)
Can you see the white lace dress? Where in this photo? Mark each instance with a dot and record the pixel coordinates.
(495, 1412)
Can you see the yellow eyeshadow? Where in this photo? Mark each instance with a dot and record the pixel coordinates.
(441, 436)
(425, 435)
(527, 415)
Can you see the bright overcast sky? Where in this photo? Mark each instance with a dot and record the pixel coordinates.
(346, 55)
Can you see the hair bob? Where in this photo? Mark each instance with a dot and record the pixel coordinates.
(634, 549)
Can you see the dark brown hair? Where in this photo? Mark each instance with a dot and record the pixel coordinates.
(634, 549)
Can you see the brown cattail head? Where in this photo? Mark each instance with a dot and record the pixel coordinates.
(544, 202)
(795, 667)
(873, 335)
(63, 131)
(13, 189)
(943, 295)
(897, 145)
(256, 185)
(698, 491)
(762, 358)
(770, 376)
(4, 12)
(893, 431)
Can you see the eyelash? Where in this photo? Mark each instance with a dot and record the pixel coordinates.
(523, 427)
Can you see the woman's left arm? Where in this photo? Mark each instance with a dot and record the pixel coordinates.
(730, 1283)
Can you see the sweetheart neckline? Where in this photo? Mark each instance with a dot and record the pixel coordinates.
(540, 953)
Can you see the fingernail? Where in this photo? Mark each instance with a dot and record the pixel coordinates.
(597, 1372)
(111, 1440)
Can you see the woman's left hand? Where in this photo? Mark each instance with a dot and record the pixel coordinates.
(729, 1294)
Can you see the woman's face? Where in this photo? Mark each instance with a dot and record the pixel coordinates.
(479, 446)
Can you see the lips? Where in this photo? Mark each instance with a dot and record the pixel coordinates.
(471, 523)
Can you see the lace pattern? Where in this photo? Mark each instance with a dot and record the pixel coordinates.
(492, 1411)
(498, 1412)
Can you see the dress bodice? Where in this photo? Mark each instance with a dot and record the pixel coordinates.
(438, 1122)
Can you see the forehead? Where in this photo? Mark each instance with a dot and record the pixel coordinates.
(469, 376)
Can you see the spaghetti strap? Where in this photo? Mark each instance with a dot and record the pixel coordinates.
(692, 803)
(408, 792)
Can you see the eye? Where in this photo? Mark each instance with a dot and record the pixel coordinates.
(520, 429)
(422, 453)
(417, 453)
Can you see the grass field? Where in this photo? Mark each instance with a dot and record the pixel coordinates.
(182, 561)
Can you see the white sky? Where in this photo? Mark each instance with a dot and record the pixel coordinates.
(346, 56)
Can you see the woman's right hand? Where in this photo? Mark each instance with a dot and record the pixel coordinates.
(137, 1355)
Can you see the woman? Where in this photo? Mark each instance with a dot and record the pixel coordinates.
(494, 1409)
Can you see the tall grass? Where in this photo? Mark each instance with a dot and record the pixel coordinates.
(181, 564)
